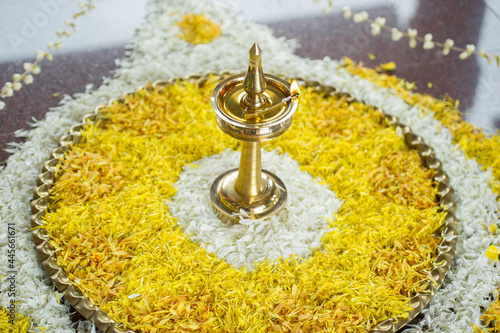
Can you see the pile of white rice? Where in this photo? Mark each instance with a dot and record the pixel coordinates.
(297, 229)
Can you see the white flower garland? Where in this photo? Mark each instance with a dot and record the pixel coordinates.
(159, 54)
(9, 88)
(412, 34)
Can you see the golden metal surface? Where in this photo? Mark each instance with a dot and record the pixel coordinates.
(252, 108)
(249, 182)
(255, 82)
(270, 200)
(447, 234)
(232, 96)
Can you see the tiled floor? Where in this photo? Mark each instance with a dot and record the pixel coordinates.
(90, 53)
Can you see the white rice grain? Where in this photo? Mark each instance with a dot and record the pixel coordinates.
(297, 229)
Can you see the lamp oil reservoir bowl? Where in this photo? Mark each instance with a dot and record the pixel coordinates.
(252, 107)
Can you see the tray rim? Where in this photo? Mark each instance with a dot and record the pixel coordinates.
(446, 198)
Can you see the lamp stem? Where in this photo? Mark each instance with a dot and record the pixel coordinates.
(249, 181)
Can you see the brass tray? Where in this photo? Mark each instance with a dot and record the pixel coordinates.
(447, 233)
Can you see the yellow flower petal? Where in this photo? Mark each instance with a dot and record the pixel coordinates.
(492, 253)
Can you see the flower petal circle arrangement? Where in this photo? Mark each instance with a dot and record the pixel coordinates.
(465, 301)
(105, 235)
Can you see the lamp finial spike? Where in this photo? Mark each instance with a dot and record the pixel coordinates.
(255, 51)
(254, 82)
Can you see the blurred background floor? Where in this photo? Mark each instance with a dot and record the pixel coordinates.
(102, 35)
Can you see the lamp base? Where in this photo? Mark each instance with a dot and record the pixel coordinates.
(228, 202)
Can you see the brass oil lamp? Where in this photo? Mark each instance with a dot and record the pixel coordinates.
(252, 107)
